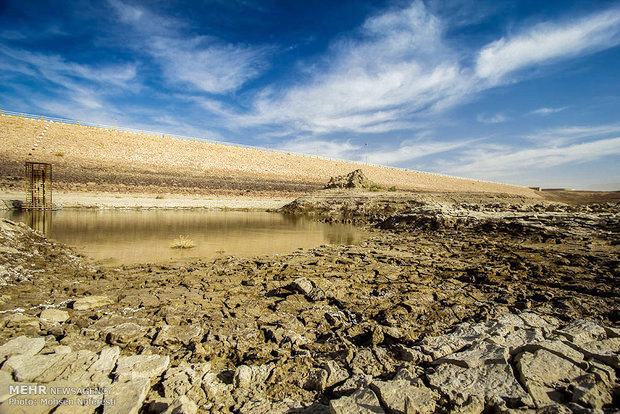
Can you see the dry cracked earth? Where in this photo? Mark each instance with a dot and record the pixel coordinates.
(454, 304)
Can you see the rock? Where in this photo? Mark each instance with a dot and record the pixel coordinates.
(91, 302)
(464, 335)
(582, 331)
(21, 345)
(412, 354)
(365, 362)
(99, 371)
(29, 404)
(534, 320)
(182, 405)
(485, 380)
(69, 367)
(474, 404)
(140, 366)
(394, 396)
(478, 354)
(5, 380)
(335, 373)
(178, 334)
(542, 372)
(125, 333)
(354, 179)
(179, 380)
(126, 397)
(24, 323)
(215, 389)
(521, 337)
(28, 367)
(592, 394)
(603, 372)
(54, 315)
(262, 405)
(606, 350)
(316, 380)
(254, 376)
(353, 383)
(362, 401)
(558, 348)
(302, 285)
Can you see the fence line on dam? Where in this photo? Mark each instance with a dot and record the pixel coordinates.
(154, 134)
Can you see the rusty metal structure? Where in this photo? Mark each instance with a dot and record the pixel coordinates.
(38, 186)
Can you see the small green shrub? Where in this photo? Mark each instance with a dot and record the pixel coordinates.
(59, 154)
(392, 188)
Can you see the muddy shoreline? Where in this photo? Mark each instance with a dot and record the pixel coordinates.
(450, 289)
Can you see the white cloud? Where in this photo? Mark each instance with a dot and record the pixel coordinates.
(397, 69)
(372, 81)
(325, 148)
(411, 149)
(408, 150)
(551, 148)
(204, 63)
(547, 111)
(547, 42)
(563, 135)
(83, 86)
(493, 119)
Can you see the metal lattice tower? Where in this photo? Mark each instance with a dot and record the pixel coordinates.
(38, 185)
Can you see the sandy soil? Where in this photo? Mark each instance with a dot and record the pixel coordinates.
(160, 201)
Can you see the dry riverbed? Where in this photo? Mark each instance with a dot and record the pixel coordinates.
(455, 303)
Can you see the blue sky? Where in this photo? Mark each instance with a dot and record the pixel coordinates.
(523, 92)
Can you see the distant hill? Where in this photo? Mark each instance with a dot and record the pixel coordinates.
(92, 159)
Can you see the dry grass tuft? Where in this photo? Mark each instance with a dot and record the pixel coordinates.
(183, 242)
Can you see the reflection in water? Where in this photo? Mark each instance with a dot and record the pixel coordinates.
(127, 237)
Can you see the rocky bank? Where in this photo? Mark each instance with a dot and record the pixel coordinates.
(455, 303)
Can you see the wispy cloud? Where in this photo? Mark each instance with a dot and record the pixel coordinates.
(548, 42)
(547, 149)
(504, 163)
(395, 66)
(410, 150)
(567, 134)
(398, 70)
(85, 86)
(491, 119)
(334, 149)
(204, 63)
(547, 111)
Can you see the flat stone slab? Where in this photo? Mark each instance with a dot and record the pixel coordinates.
(22, 345)
(487, 381)
(180, 334)
(362, 401)
(91, 302)
(137, 367)
(125, 333)
(394, 395)
(606, 350)
(126, 397)
(54, 315)
(541, 372)
(481, 353)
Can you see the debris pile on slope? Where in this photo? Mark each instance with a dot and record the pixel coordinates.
(354, 179)
(24, 252)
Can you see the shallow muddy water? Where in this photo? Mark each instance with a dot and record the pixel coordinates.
(137, 236)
